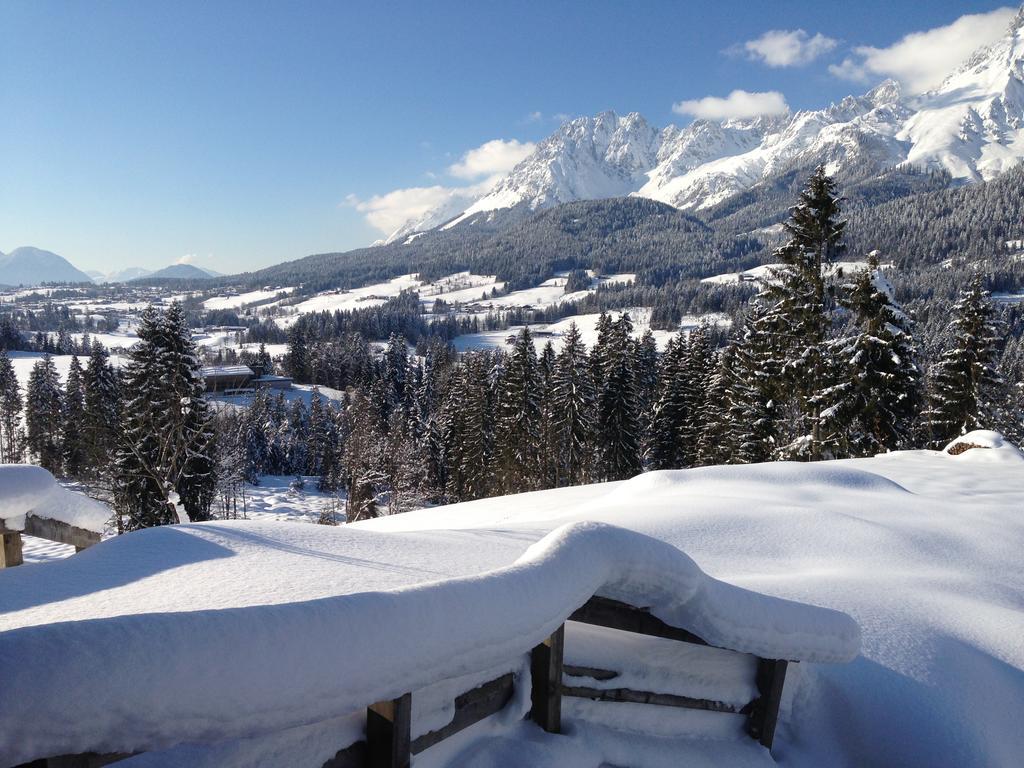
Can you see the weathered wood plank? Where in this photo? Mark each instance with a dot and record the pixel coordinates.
(10, 550)
(592, 672)
(470, 707)
(388, 733)
(546, 686)
(626, 695)
(54, 530)
(764, 713)
(604, 612)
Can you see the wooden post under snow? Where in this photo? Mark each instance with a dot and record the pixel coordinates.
(389, 733)
(10, 549)
(546, 687)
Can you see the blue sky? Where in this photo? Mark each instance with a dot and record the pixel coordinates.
(242, 134)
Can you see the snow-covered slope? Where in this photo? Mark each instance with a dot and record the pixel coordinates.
(921, 548)
(972, 126)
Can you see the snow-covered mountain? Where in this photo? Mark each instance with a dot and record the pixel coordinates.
(33, 266)
(972, 125)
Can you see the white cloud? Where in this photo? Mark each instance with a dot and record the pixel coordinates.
(494, 157)
(390, 211)
(484, 166)
(737, 104)
(788, 47)
(188, 258)
(922, 59)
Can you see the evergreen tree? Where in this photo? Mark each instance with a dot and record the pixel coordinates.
(618, 405)
(964, 383)
(801, 306)
(548, 458)
(697, 366)
(165, 468)
(43, 406)
(573, 401)
(10, 412)
(74, 445)
(100, 412)
(755, 388)
(518, 425)
(671, 411)
(873, 403)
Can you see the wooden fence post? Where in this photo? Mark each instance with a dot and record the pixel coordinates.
(10, 549)
(546, 688)
(764, 716)
(389, 733)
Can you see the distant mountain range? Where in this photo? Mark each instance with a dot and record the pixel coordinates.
(33, 266)
(971, 126)
(28, 266)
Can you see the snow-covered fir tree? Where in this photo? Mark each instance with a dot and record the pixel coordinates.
(671, 410)
(73, 443)
(100, 413)
(43, 406)
(572, 408)
(801, 306)
(517, 433)
(964, 385)
(618, 405)
(873, 400)
(11, 435)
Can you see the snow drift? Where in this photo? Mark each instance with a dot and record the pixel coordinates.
(25, 488)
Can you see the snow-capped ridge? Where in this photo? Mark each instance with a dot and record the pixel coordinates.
(971, 126)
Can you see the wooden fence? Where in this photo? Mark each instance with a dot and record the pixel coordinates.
(43, 528)
(388, 741)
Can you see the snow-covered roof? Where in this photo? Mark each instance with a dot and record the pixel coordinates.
(214, 371)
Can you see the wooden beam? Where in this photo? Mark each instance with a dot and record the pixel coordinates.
(646, 697)
(54, 530)
(10, 549)
(471, 707)
(764, 714)
(604, 612)
(388, 731)
(546, 686)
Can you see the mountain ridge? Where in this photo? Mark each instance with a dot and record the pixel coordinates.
(971, 126)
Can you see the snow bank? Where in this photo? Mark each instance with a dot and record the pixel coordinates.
(26, 488)
(132, 676)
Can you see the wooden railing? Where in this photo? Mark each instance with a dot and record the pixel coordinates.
(388, 741)
(43, 528)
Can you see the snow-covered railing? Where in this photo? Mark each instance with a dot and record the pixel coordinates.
(33, 503)
(216, 674)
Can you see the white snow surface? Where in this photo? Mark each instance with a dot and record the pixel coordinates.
(263, 630)
(26, 488)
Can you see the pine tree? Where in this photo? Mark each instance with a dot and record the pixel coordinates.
(573, 401)
(10, 412)
(671, 411)
(618, 405)
(964, 383)
(100, 412)
(548, 458)
(697, 366)
(518, 424)
(165, 468)
(756, 386)
(716, 444)
(801, 305)
(43, 405)
(73, 440)
(872, 405)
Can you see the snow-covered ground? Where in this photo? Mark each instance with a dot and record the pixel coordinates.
(23, 363)
(762, 272)
(587, 325)
(237, 301)
(921, 548)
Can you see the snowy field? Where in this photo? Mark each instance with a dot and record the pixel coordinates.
(23, 363)
(470, 291)
(921, 548)
(757, 274)
(240, 300)
(587, 325)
